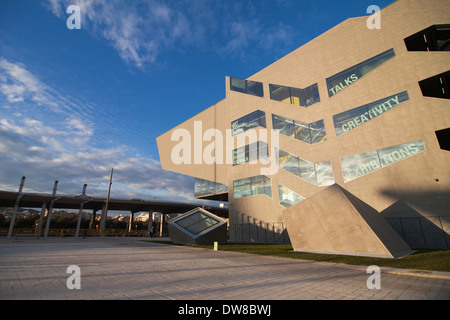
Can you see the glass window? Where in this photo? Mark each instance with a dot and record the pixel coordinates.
(394, 154)
(443, 137)
(242, 188)
(309, 133)
(262, 119)
(307, 171)
(252, 186)
(437, 86)
(199, 187)
(221, 188)
(300, 97)
(202, 225)
(239, 156)
(280, 93)
(317, 132)
(250, 121)
(239, 126)
(346, 121)
(256, 119)
(255, 88)
(302, 132)
(197, 222)
(297, 97)
(359, 165)
(347, 77)
(285, 125)
(204, 187)
(257, 185)
(250, 153)
(351, 119)
(324, 173)
(267, 186)
(288, 197)
(319, 174)
(189, 220)
(238, 85)
(246, 86)
(434, 38)
(375, 62)
(289, 162)
(342, 80)
(311, 95)
(263, 150)
(379, 107)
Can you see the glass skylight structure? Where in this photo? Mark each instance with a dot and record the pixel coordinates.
(198, 226)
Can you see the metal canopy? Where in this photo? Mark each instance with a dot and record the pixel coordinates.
(35, 200)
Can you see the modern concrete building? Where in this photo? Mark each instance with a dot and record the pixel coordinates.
(361, 108)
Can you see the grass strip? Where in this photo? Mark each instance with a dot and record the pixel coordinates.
(422, 259)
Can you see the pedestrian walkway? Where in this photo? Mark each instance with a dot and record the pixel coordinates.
(130, 268)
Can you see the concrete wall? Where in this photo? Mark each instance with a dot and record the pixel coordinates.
(411, 181)
(334, 221)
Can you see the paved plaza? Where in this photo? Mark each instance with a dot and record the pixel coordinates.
(129, 268)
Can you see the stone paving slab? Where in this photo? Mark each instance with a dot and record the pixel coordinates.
(128, 268)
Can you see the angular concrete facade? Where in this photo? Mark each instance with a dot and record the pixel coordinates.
(335, 221)
(352, 107)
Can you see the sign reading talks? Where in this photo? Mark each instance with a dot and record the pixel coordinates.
(343, 79)
(361, 164)
(351, 119)
(343, 84)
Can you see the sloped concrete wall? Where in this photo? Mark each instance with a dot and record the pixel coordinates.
(335, 221)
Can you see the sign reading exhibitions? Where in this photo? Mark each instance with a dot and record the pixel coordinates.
(358, 165)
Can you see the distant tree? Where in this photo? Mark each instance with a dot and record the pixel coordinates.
(114, 224)
(4, 222)
(26, 222)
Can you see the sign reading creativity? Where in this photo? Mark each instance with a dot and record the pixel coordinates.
(351, 119)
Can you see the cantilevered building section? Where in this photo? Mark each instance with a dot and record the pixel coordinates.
(364, 110)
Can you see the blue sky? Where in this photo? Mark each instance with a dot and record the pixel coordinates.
(76, 103)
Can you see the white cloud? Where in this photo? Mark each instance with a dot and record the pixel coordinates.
(63, 148)
(13, 92)
(55, 8)
(142, 31)
(18, 84)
